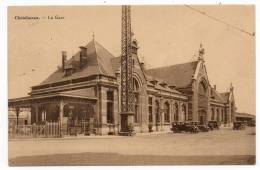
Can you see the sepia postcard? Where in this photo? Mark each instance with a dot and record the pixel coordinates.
(131, 85)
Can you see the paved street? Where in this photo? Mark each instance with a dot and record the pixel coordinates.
(223, 146)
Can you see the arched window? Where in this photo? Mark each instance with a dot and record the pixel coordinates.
(136, 100)
(166, 112)
(202, 89)
(176, 112)
(212, 114)
(157, 111)
(183, 112)
(136, 85)
(202, 96)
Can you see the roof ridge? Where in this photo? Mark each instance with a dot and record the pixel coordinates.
(94, 43)
(171, 65)
(104, 48)
(219, 95)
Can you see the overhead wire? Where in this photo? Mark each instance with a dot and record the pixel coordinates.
(220, 21)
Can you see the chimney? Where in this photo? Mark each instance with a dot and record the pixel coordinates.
(82, 56)
(142, 65)
(215, 87)
(64, 59)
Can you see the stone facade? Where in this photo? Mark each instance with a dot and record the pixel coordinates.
(162, 95)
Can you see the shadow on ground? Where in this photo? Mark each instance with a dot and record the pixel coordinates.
(118, 159)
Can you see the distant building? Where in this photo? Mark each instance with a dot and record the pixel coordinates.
(245, 117)
(87, 86)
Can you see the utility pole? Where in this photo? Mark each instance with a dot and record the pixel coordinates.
(127, 114)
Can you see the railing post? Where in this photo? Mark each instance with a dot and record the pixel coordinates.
(61, 106)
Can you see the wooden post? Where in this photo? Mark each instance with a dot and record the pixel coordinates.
(61, 106)
(36, 113)
(17, 112)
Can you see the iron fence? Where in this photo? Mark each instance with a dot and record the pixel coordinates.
(49, 129)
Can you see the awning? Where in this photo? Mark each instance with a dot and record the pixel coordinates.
(26, 101)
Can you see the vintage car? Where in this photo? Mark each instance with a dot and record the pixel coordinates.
(251, 123)
(213, 125)
(175, 127)
(203, 128)
(238, 125)
(178, 127)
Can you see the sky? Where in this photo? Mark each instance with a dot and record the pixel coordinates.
(167, 35)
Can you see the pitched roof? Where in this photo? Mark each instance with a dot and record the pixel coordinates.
(86, 92)
(179, 75)
(98, 63)
(116, 63)
(225, 96)
(217, 96)
(245, 115)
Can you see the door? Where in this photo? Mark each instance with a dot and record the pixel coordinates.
(202, 117)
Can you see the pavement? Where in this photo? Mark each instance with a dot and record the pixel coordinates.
(223, 142)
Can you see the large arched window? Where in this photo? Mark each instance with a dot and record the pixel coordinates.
(202, 101)
(166, 112)
(202, 89)
(202, 96)
(136, 100)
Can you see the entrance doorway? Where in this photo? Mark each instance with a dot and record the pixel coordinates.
(202, 102)
(202, 117)
(78, 118)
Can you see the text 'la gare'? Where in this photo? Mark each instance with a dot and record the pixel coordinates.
(56, 17)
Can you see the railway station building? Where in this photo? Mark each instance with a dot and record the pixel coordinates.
(86, 87)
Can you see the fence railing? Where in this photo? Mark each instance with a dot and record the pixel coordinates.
(49, 129)
(80, 127)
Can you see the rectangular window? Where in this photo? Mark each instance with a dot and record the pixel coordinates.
(150, 109)
(110, 107)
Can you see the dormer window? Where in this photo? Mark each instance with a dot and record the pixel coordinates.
(69, 69)
(163, 84)
(172, 87)
(154, 82)
(68, 72)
